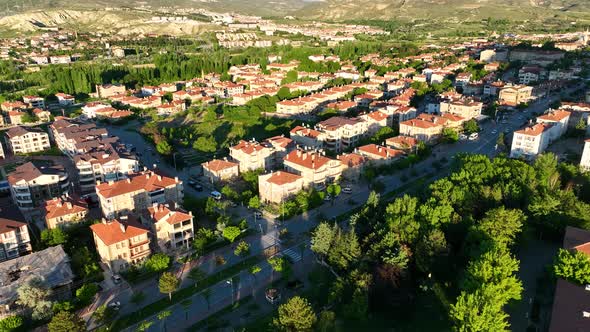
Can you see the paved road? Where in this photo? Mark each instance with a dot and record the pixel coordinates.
(302, 224)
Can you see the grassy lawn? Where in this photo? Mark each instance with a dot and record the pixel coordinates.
(184, 293)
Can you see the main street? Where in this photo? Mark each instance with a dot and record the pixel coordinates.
(299, 226)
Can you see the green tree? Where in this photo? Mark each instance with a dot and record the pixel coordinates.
(231, 233)
(431, 250)
(164, 148)
(137, 297)
(11, 323)
(104, 314)
(326, 322)
(66, 321)
(322, 239)
(502, 225)
(382, 134)
(254, 202)
(53, 237)
(85, 293)
(295, 315)
(470, 127)
(401, 217)
(500, 141)
(345, 249)
(197, 275)
(205, 144)
(242, 249)
(35, 296)
(573, 266)
(229, 193)
(450, 135)
(284, 93)
(477, 312)
(168, 284)
(157, 263)
(144, 326)
(334, 190)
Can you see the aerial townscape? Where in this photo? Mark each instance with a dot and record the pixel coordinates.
(295, 166)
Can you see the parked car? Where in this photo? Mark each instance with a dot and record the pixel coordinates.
(258, 214)
(347, 190)
(473, 136)
(216, 195)
(116, 278)
(462, 137)
(328, 198)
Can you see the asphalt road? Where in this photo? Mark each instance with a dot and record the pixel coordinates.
(299, 225)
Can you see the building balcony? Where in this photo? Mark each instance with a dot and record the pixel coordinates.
(140, 254)
(137, 244)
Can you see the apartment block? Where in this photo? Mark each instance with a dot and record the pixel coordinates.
(342, 133)
(138, 192)
(514, 95)
(585, 161)
(307, 137)
(379, 155)
(121, 243)
(464, 107)
(218, 170)
(73, 138)
(277, 187)
(34, 101)
(108, 90)
(64, 211)
(33, 184)
(559, 118)
(424, 128)
(27, 140)
(316, 169)
(532, 140)
(252, 155)
(352, 164)
(14, 236)
(172, 226)
(111, 163)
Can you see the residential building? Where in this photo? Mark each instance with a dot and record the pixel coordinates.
(342, 133)
(106, 91)
(64, 211)
(16, 117)
(137, 192)
(315, 168)
(218, 170)
(8, 106)
(111, 163)
(571, 302)
(464, 107)
(14, 234)
(31, 185)
(532, 140)
(559, 118)
(514, 95)
(73, 138)
(585, 161)
(252, 155)
(34, 101)
(52, 265)
(27, 140)
(378, 154)
(64, 99)
(171, 226)
(121, 243)
(375, 121)
(404, 143)
(352, 165)
(276, 187)
(529, 74)
(308, 137)
(424, 128)
(42, 115)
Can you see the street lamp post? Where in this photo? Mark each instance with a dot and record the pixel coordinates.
(231, 283)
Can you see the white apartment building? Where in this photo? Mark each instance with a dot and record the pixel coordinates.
(532, 140)
(558, 118)
(14, 237)
(27, 140)
(34, 101)
(112, 163)
(172, 227)
(342, 133)
(31, 185)
(138, 192)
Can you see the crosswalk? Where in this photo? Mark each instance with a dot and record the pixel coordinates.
(294, 255)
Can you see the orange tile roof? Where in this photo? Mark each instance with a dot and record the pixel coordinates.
(281, 177)
(402, 140)
(557, 115)
(307, 159)
(172, 217)
(248, 147)
(147, 180)
(352, 159)
(116, 231)
(281, 141)
(534, 130)
(217, 165)
(377, 116)
(307, 132)
(382, 152)
(59, 207)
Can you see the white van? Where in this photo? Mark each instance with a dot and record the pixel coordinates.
(473, 136)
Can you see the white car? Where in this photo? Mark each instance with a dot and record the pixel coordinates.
(462, 137)
(347, 190)
(494, 131)
(473, 136)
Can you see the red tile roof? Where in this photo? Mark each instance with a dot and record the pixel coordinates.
(557, 115)
(148, 181)
(352, 159)
(217, 165)
(116, 231)
(59, 207)
(307, 159)
(172, 217)
(382, 152)
(281, 177)
(534, 130)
